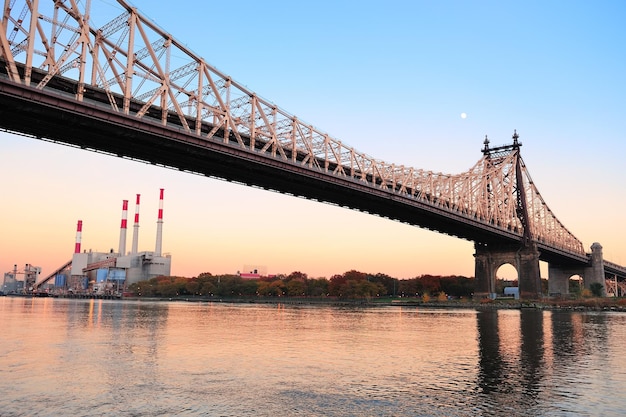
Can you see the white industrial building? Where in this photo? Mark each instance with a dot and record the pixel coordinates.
(109, 273)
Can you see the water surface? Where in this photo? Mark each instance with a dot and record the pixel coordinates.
(137, 358)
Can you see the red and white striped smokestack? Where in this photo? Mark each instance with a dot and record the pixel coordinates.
(159, 235)
(136, 227)
(123, 227)
(79, 233)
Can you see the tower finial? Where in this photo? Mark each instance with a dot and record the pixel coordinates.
(486, 142)
(515, 137)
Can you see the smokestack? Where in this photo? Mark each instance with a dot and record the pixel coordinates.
(79, 233)
(159, 235)
(123, 227)
(136, 228)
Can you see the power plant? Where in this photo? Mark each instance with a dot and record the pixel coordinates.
(99, 273)
(12, 284)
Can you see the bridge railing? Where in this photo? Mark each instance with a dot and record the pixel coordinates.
(135, 67)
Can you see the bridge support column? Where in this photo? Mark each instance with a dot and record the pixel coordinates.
(529, 273)
(484, 274)
(558, 280)
(525, 260)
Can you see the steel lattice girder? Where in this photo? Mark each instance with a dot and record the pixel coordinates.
(135, 68)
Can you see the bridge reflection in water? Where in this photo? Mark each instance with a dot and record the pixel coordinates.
(529, 358)
(176, 358)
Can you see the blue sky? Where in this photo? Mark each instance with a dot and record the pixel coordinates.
(389, 78)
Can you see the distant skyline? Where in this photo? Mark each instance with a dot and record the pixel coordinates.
(417, 83)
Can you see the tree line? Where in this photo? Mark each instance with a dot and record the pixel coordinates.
(351, 284)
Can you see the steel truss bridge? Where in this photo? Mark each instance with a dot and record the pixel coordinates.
(125, 87)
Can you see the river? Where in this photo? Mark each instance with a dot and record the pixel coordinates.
(61, 357)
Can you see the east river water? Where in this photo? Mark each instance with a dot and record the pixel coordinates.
(62, 357)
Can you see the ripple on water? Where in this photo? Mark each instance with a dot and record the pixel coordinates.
(90, 358)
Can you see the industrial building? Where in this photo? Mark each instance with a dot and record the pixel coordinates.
(12, 283)
(109, 273)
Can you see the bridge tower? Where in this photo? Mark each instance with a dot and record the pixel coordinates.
(524, 256)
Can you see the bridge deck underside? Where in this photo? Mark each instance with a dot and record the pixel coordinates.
(59, 117)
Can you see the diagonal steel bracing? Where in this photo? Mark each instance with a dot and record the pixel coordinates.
(133, 67)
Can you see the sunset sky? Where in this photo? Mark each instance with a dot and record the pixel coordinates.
(390, 79)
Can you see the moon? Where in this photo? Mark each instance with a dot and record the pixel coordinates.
(463, 115)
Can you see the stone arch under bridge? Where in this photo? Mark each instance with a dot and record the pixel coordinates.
(507, 272)
(488, 259)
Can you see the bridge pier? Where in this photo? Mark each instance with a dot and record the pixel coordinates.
(525, 260)
(558, 279)
(559, 275)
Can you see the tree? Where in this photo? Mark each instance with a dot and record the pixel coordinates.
(575, 287)
(168, 289)
(457, 286)
(263, 288)
(597, 289)
(296, 288)
(355, 275)
(277, 288)
(271, 288)
(408, 287)
(317, 287)
(248, 287)
(193, 287)
(208, 288)
(390, 284)
(297, 275)
(335, 284)
(228, 285)
(430, 284)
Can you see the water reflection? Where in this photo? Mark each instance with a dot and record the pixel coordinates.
(532, 348)
(492, 366)
(511, 352)
(532, 362)
(100, 357)
(574, 335)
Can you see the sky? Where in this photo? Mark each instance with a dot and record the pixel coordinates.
(390, 79)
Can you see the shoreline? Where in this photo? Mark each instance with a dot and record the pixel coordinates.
(591, 304)
(585, 304)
